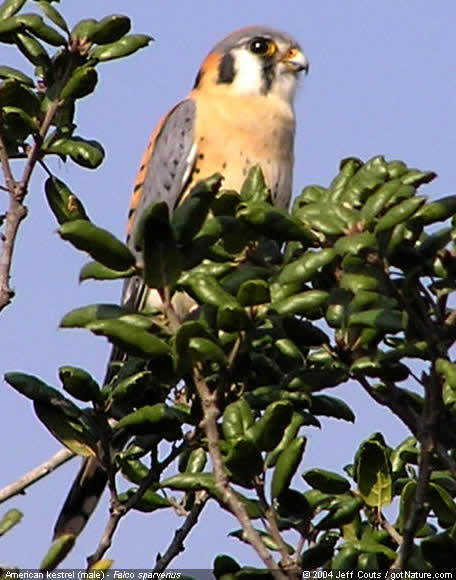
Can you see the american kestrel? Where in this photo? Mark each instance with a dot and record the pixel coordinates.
(239, 114)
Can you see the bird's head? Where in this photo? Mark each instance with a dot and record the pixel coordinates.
(254, 61)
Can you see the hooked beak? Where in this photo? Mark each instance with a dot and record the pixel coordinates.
(296, 61)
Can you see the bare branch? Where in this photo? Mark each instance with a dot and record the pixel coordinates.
(209, 424)
(180, 535)
(391, 530)
(414, 520)
(426, 437)
(119, 510)
(17, 192)
(19, 486)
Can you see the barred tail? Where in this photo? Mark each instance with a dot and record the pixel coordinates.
(82, 499)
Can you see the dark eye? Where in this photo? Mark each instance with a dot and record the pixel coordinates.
(262, 46)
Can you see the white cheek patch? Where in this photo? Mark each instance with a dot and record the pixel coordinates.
(249, 77)
(285, 84)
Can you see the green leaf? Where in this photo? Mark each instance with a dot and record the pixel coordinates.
(319, 554)
(348, 168)
(162, 259)
(268, 431)
(36, 25)
(436, 211)
(63, 203)
(71, 432)
(355, 244)
(290, 433)
(32, 49)
(135, 390)
(191, 482)
(190, 215)
(96, 271)
(379, 318)
(439, 551)
(130, 338)
(331, 407)
(84, 31)
(111, 28)
(79, 383)
(37, 390)
(156, 419)
(442, 504)
(9, 8)
(286, 466)
(53, 14)
(310, 302)
(20, 120)
(7, 72)
(294, 506)
(81, 83)
(237, 419)
(273, 222)
(406, 505)
(305, 267)
(98, 243)
(57, 552)
(81, 317)
(87, 153)
(399, 213)
(203, 349)
(253, 292)
(149, 502)
(224, 564)
(344, 512)
(208, 290)
(373, 472)
(9, 520)
(254, 188)
(196, 461)
(326, 481)
(243, 462)
(123, 47)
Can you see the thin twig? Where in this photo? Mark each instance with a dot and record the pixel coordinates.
(273, 529)
(391, 530)
(427, 443)
(209, 424)
(119, 510)
(17, 192)
(19, 486)
(180, 535)
(413, 523)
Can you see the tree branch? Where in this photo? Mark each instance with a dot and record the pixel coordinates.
(177, 544)
(17, 192)
(427, 442)
(19, 486)
(118, 510)
(209, 424)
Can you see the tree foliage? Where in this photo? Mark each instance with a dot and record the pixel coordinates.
(353, 284)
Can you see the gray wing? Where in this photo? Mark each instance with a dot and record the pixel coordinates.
(164, 172)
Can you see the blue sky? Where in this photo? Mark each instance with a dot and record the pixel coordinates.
(382, 81)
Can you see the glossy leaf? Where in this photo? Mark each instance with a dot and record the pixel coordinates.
(9, 520)
(63, 203)
(374, 474)
(123, 47)
(57, 552)
(98, 243)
